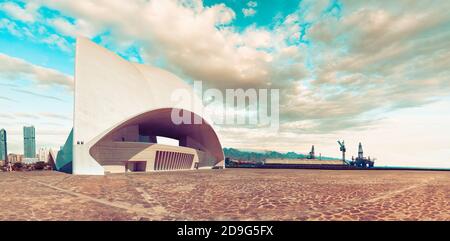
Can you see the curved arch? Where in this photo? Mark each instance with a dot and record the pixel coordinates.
(201, 137)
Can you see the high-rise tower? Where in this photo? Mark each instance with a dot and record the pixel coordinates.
(29, 142)
(3, 145)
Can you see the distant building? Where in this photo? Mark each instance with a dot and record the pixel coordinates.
(3, 146)
(30, 160)
(29, 142)
(14, 158)
(43, 154)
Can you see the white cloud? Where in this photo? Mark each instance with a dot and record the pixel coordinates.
(60, 42)
(79, 28)
(40, 33)
(26, 14)
(194, 40)
(252, 4)
(375, 58)
(248, 12)
(14, 68)
(11, 27)
(198, 42)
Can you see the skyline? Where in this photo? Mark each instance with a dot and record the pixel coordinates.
(29, 143)
(376, 73)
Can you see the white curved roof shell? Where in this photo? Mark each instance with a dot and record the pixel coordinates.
(109, 91)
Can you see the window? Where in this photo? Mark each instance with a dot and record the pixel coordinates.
(167, 141)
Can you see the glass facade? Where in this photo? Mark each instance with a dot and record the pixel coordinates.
(29, 142)
(3, 145)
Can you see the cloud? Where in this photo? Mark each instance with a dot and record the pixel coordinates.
(26, 115)
(338, 66)
(7, 116)
(79, 28)
(60, 42)
(25, 14)
(7, 99)
(248, 12)
(55, 116)
(14, 68)
(252, 4)
(9, 85)
(50, 97)
(195, 41)
(11, 27)
(372, 60)
(26, 22)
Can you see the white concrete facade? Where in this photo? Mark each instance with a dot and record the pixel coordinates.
(112, 94)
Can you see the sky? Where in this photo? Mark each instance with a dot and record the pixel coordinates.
(375, 72)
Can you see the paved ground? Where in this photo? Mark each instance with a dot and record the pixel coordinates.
(231, 194)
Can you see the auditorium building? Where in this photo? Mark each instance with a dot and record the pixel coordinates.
(121, 108)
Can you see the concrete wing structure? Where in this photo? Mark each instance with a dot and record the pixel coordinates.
(122, 107)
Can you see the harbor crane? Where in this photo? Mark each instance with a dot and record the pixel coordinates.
(342, 149)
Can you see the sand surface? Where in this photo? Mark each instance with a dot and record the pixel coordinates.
(231, 194)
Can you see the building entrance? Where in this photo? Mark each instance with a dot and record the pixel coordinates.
(136, 166)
